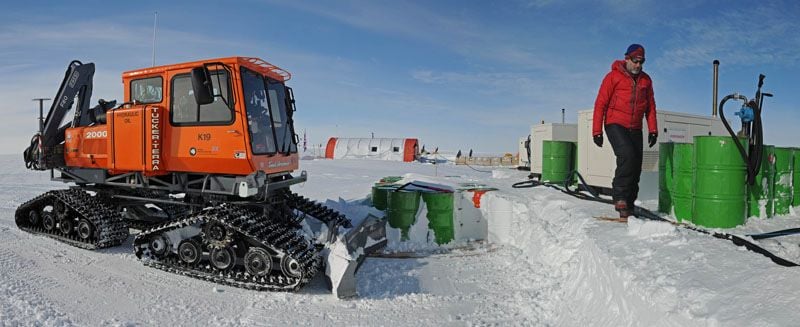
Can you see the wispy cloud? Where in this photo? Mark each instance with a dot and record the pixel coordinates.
(759, 35)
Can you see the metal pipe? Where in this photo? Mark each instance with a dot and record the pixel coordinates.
(562, 115)
(715, 90)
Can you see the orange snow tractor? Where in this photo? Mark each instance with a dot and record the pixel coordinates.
(199, 157)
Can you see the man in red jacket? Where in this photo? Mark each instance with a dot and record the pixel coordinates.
(626, 96)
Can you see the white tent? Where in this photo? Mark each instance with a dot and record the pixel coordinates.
(372, 148)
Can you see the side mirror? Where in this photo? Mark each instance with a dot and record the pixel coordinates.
(202, 86)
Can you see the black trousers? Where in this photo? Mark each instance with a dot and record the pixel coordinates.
(627, 145)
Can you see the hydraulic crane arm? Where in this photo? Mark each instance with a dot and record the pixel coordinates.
(46, 149)
(77, 83)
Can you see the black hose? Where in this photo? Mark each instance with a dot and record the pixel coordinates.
(777, 233)
(728, 127)
(31, 153)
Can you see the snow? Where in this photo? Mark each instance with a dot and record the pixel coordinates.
(548, 263)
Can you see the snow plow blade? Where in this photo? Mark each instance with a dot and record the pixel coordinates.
(346, 253)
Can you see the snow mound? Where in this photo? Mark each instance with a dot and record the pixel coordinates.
(649, 228)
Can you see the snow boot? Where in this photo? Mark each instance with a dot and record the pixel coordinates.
(624, 211)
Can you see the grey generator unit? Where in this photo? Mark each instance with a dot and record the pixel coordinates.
(549, 132)
(598, 167)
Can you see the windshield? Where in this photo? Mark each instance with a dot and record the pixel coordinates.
(284, 131)
(262, 137)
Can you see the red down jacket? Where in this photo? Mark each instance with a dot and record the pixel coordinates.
(624, 99)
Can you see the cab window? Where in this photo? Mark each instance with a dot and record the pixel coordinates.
(184, 108)
(147, 90)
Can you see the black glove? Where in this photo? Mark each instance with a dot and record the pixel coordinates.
(598, 139)
(652, 139)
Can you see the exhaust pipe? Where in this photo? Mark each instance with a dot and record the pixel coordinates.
(715, 91)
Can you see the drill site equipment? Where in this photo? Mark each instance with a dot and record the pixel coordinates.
(203, 171)
(548, 132)
(704, 182)
(587, 192)
(597, 164)
(558, 161)
(451, 210)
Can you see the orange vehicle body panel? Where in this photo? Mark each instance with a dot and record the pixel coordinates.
(141, 138)
(87, 147)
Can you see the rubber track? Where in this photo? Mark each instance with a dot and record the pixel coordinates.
(110, 227)
(318, 211)
(251, 224)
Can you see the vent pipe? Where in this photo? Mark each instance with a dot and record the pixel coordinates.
(715, 89)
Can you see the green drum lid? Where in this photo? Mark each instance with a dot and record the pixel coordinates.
(402, 210)
(440, 216)
(557, 160)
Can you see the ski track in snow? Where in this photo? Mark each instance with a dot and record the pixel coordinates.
(560, 267)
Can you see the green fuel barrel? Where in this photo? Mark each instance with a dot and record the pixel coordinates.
(719, 183)
(761, 194)
(380, 195)
(683, 180)
(402, 210)
(665, 177)
(796, 178)
(783, 180)
(557, 160)
(440, 215)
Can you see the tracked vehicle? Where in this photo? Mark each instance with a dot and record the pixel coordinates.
(199, 157)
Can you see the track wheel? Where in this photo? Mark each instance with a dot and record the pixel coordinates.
(66, 226)
(290, 267)
(48, 221)
(159, 245)
(60, 209)
(34, 217)
(216, 235)
(85, 229)
(223, 258)
(257, 262)
(189, 252)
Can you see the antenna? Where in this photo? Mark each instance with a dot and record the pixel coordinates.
(155, 25)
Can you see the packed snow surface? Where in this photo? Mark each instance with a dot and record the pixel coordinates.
(549, 263)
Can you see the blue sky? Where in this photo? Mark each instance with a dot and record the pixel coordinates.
(455, 74)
